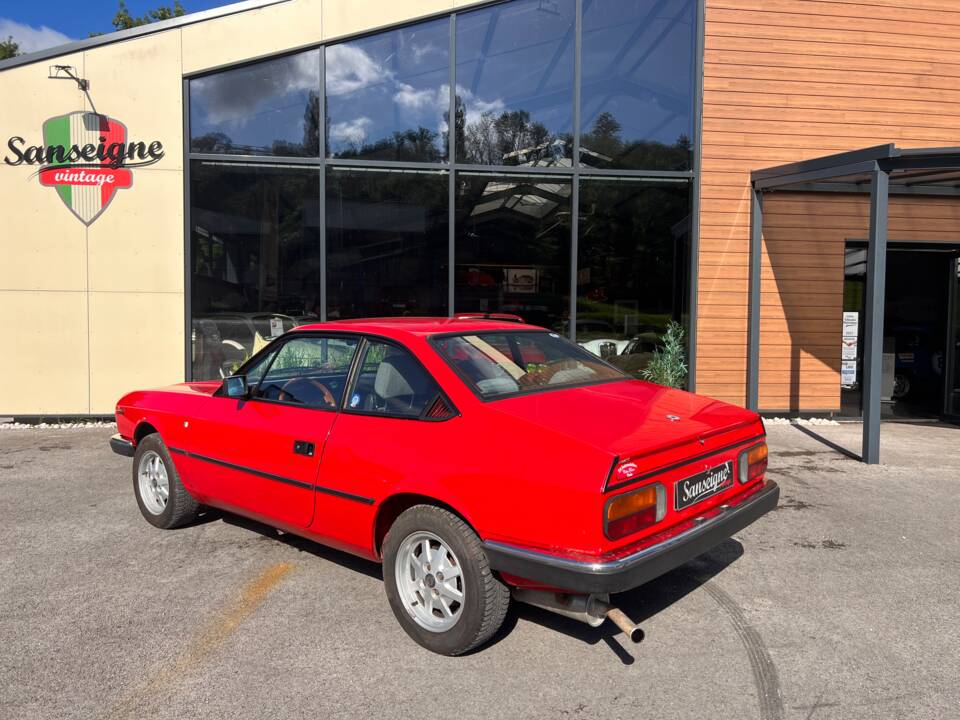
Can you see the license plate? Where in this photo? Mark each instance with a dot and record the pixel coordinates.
(699, 487)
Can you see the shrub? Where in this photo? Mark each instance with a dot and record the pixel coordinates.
(669, 363)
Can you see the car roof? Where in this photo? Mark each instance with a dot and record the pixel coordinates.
(422, 326)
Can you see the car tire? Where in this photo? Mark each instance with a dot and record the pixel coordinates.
(163, 500)
(448, 626)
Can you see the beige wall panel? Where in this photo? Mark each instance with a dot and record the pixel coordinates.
(136, 342)
(137, 244)
(43, 366)
(349, 17)
(267, 31)
(138, 82)
(27, 98)
(42, 244)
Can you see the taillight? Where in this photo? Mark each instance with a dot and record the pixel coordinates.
(753, 462)
(633, 511)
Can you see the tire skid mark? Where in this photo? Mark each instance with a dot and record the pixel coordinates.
(765, 675)
(224, 624)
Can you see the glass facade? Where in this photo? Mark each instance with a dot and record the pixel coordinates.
(267, 108)
(331, 183)
(386, 242)
(388, 95)
(515, 83)
(512, 244)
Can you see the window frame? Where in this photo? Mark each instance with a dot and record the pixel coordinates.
(546, 388)
(281, 342)
(355, 375)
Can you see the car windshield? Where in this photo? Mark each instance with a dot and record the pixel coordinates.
(499, 364)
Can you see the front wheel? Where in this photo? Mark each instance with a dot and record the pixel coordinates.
(162, 498)
(439, 583)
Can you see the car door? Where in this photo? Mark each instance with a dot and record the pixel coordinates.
(392, 428)
(262, 453)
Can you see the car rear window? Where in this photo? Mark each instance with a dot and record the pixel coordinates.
(501, 364)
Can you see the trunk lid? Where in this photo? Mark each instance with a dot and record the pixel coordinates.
(635, 419)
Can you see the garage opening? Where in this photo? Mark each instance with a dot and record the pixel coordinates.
(918, 339)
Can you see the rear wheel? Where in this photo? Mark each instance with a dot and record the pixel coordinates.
(162, 498)
(439, 583)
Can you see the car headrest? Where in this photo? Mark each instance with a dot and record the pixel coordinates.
(395, 375)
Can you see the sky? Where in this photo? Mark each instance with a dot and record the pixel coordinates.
(39, 24)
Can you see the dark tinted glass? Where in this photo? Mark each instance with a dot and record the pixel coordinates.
(392, 382)
(632, 279)
(499, 364)
(386, 243)
(637, 84)
(268, 108)
(255, 259)
(515, 83)
(388, 95)
(513, 246)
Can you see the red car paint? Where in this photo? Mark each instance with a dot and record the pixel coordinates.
(532, 471)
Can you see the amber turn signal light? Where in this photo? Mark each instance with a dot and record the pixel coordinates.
(633, 511)
(753, 463)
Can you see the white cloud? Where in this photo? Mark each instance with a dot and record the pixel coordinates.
(475, 107)
(410, 98)
(350, 69)
(31, 39)
(352, 131)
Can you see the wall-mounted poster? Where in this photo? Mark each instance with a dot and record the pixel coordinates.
(849, 348)
(851, 323)
(848, 373)
(521, 280)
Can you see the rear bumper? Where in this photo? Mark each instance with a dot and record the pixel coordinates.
(642, 566)
(122, 447)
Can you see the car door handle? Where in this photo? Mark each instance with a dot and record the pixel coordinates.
(302, 447)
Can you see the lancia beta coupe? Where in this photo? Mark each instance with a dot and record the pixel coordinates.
(478, 458)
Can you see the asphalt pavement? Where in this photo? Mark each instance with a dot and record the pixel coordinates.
(843, 603)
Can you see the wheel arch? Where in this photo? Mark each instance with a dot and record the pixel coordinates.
(392, 507)
(143, 428)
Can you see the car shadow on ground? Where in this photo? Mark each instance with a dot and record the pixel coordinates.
(639, 604)
(338, 557)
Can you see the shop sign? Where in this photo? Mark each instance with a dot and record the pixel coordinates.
(86, 158)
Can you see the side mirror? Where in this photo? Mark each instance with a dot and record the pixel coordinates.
(236, 386)
(608, 350)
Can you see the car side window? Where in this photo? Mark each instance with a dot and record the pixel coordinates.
(254, 371)
(310, 371)
(391, 382)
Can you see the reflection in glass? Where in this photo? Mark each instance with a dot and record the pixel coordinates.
(254, 256)
(637, 84)
(515, 83)
(267, 108)
(388, 94)
(633, 266)
(386, 243)
(513, 246)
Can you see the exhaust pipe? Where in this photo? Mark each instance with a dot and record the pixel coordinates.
(589, 609)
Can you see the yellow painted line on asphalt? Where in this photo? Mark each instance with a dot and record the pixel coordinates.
(224, 624)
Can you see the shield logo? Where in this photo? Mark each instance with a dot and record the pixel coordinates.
(85, 185)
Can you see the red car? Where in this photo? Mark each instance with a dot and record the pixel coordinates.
(476, 458)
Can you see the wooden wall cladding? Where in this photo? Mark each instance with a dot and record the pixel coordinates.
(789, 80)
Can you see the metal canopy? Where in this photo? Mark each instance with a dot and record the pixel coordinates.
(881, 170)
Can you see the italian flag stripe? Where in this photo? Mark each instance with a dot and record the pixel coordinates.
(57, 132)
